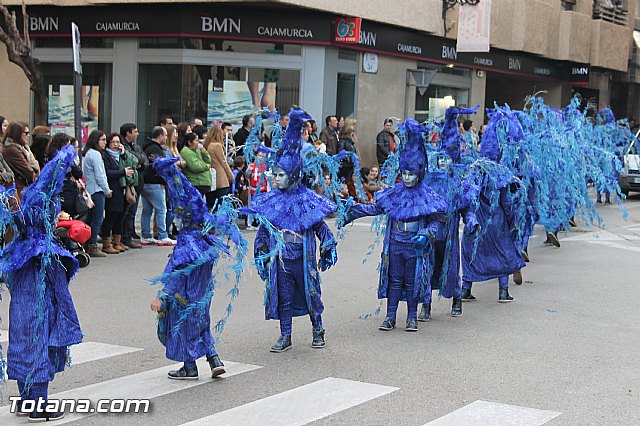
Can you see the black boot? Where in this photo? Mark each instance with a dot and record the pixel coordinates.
(425, 312)
(283, 344)
(318, 339)
(467, 296)
(412, 325)
(387, 324)
(517, 277)
(503, 296)
(456, 307)
(184, 373)
(552, 238)
(43, 416)
(217, 367)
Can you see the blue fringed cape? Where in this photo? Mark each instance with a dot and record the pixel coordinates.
(43, 320)
(501, 212)
(184, 323)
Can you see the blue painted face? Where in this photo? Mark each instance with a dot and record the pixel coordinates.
(281, 179)
(409, 178)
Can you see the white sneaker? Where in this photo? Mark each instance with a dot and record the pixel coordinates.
(148, 241)
(251, 228)
(166, 242)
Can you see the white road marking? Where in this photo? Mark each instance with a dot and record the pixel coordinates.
(146, 385)
(599, 235)
(85, 351)
(484, 413)
(301, 405)
(616, 245)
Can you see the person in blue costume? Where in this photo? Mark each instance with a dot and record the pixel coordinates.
(183, 304)
(500, 211)
(450, 181)
(410, 206)
(291, 214)
(42, 318)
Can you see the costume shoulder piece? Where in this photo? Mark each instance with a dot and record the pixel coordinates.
(295, 209)
(409, 204)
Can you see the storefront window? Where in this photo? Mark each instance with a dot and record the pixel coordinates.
(436, 99)
(212, 93)
(220, 45)
(96, 97)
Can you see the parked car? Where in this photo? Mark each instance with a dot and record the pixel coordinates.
(629, 177)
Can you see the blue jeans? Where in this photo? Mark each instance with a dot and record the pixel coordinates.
(153, 199)
(96, 216)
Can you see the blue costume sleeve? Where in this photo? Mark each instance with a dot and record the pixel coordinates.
(362, 210)
(262, 241)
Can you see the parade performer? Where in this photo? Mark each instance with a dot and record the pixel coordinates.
(183, 304)
(500, 210)
(449, 179)
(291, 217)
(409, 207)
(43, 320)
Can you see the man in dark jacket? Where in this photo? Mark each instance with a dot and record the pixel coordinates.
(243, 133)
(129, 133)
(330, 135)
(153, 194)
(385, 142)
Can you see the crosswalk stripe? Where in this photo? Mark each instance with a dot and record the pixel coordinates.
(616, 245)
(301, 405)
(145, 385)
(85, 351)
(485, 413)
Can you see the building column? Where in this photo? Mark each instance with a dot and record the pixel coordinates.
(124, 93)
(477, 96)
(311, 82)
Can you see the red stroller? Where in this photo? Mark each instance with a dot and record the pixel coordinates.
(73, 234)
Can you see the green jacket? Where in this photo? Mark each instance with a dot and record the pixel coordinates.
(127, 159)
(198, 164)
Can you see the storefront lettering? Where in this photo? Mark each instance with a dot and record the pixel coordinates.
(43, 24)
(285, 32)
(483, 61)
(214, 25)
(514, 64)
(407, 48)
(449, 52)
(117, 26)
(368, 38)
(542, 71)
(580, 71)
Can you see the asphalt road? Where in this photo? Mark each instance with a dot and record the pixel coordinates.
(567, 344)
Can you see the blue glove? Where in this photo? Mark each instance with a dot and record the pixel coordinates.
(419, 241)
(328, 257)
(471, 228)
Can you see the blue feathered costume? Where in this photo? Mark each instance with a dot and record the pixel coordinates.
(451, 182)
(43, 320)
(293, 215)
(184, 324)
(500, 210)
(410, 207)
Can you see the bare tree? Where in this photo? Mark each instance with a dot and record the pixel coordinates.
(20, 53)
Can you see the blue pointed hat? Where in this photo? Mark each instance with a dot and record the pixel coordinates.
(288, 157)
(503, 129)
(413, 156)
(186, 200)
(452, 140)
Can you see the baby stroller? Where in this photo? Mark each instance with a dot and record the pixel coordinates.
(73, 234)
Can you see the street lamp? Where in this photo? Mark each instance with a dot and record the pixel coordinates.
(450, 4)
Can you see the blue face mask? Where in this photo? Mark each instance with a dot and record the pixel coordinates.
(409, 178)
(282, 180)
